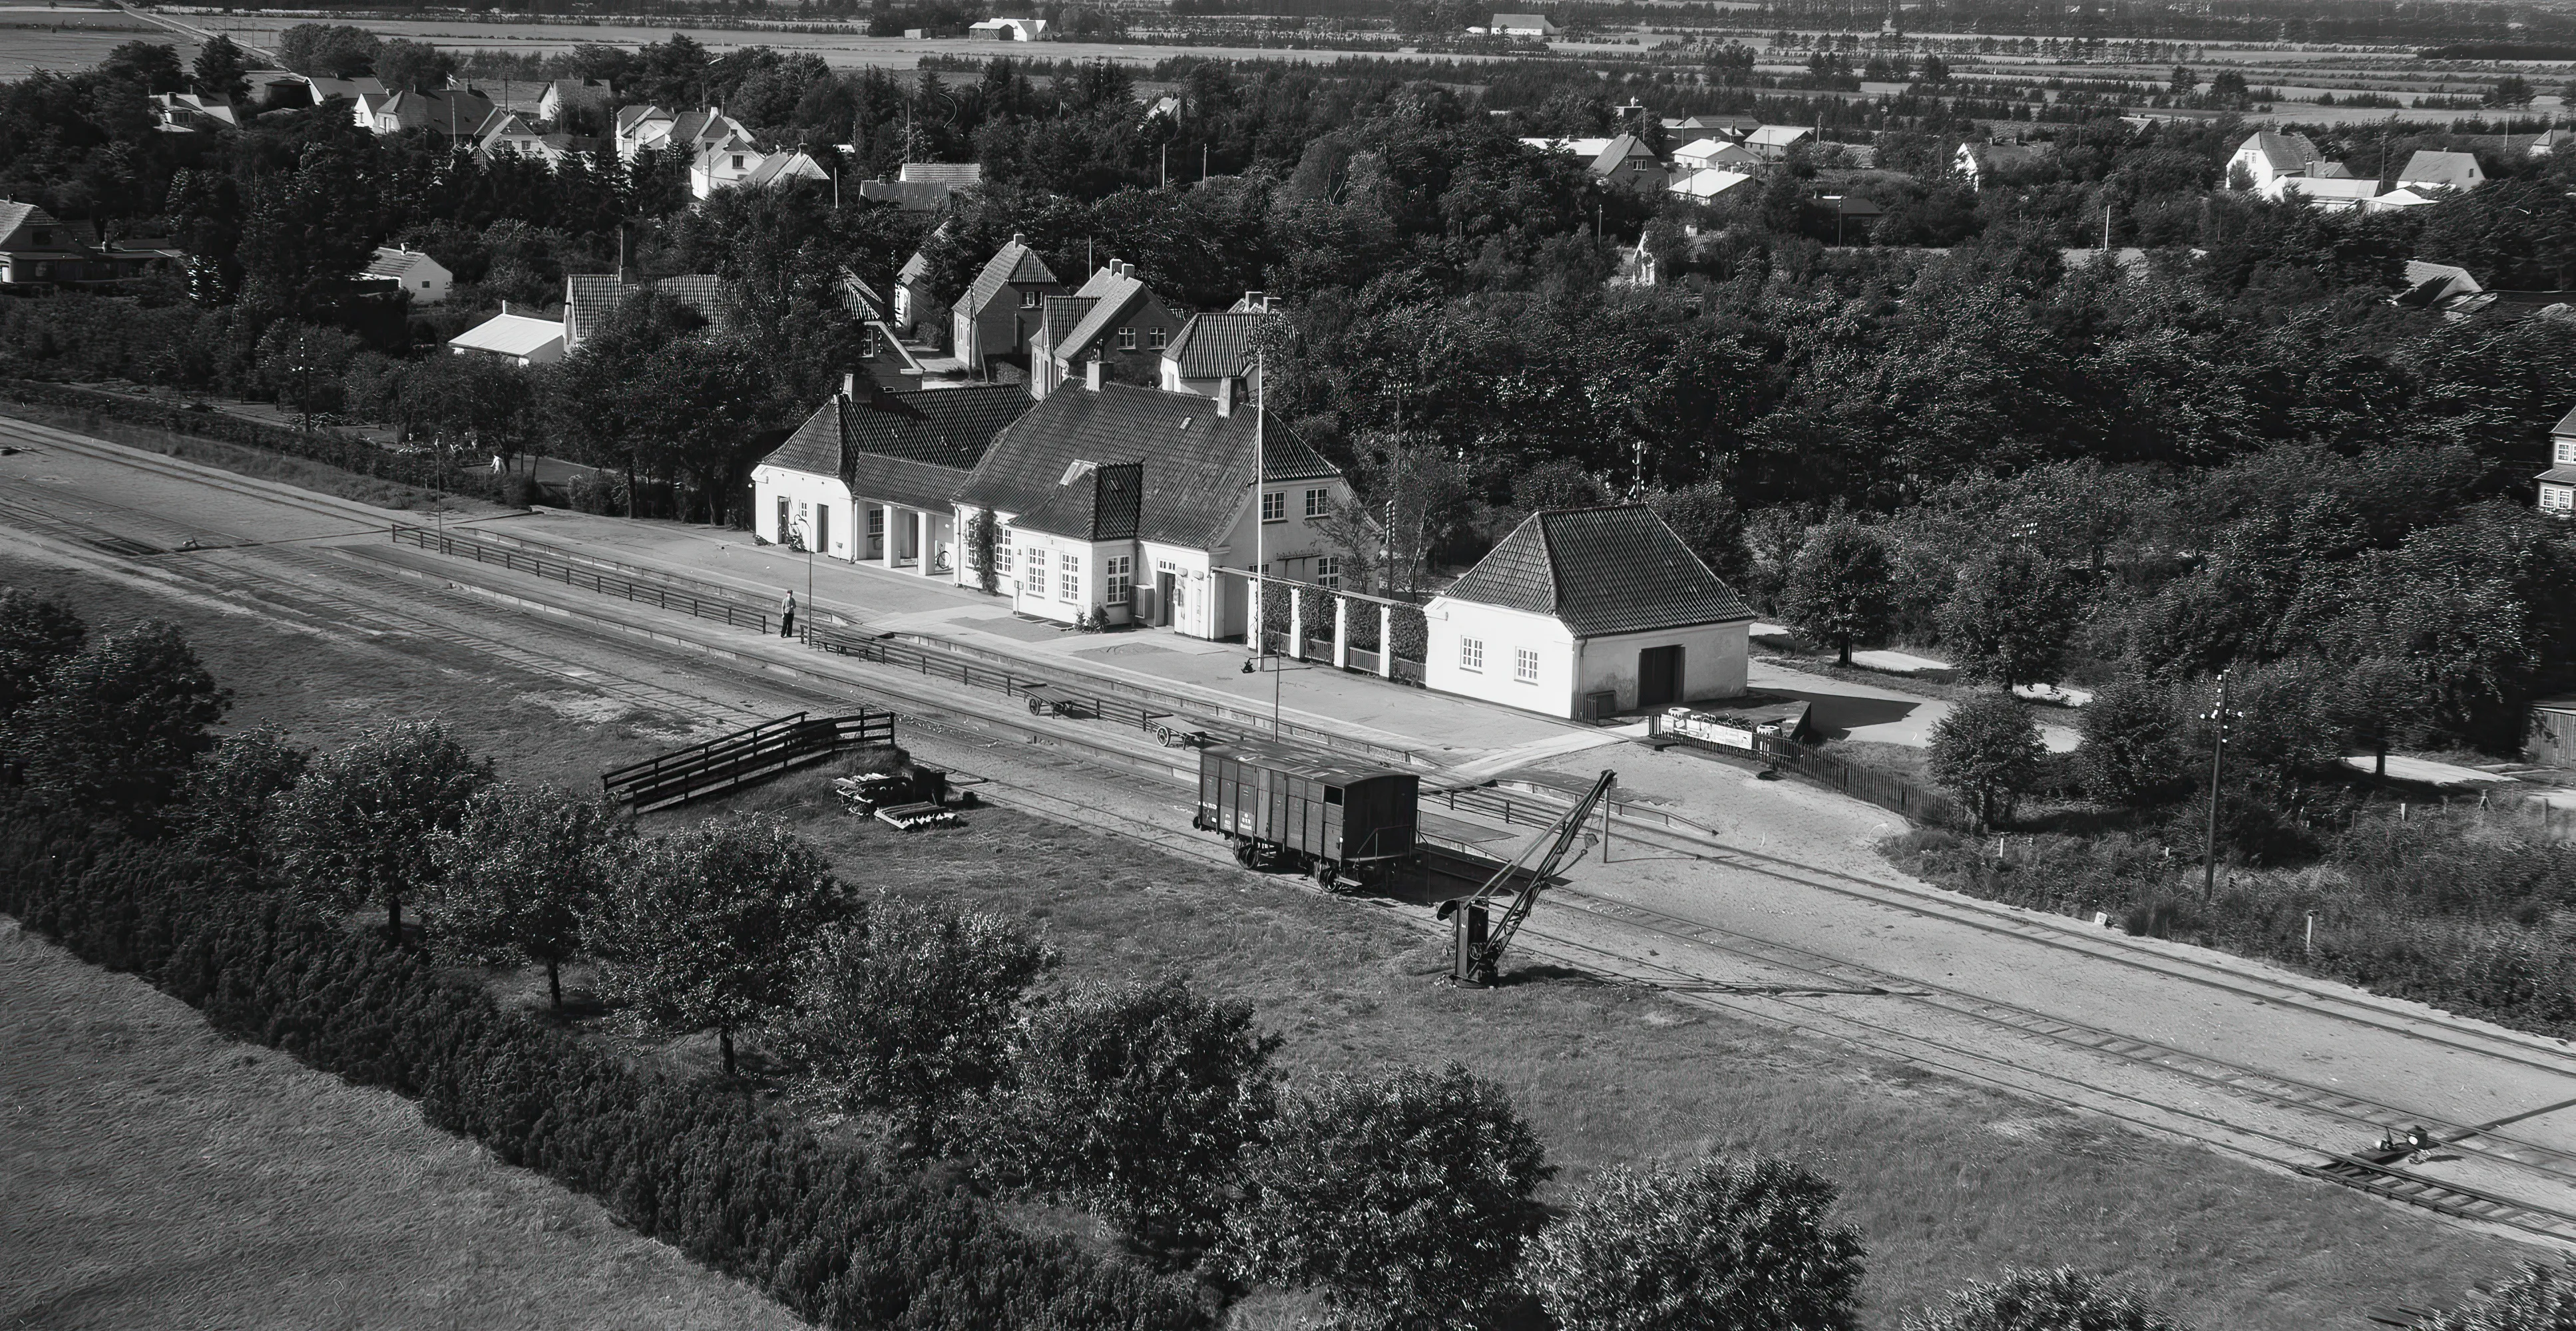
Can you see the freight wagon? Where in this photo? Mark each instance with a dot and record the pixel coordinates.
(1348, 826)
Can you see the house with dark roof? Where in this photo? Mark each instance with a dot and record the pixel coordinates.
(2558, 484)
(1139, 504)
(2431, 170)
(37, 247)
(1002, 306)
(589, 298)
(452, 112)
(1213, 355)
(2267, 159)
(872, 476)
(1115, 327)
(649, 129)
(1588, 612)
(1626, 160)
(411, 272)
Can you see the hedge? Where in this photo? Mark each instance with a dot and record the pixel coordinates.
(346, 452)
(817, 1226)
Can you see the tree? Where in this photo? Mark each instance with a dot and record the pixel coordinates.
(1405, 1199)
(2511, 90)
(2132, 751)
(1707, 520)
(1987, 750)
(220, 70)
(1838, 588)
(117, 723)
(702, 929)
(2062, 1300)
(910, 1008)
(1715, 1243)
(36, 634)
(2541, 1298)
(2183, 81)
(519, 873)
(2010, 616)
(152, 65)
(360, 827)
(1134, 1100)
(402, 63)
(327, 50)
(228, 804)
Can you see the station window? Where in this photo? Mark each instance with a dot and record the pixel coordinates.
(1525, 665)
(1274, 506)
(1036, 583)
(1002, 556)
(1471, 655)
(1120, 571)
(1328, 570)
(1028, 300)
(1068, 584)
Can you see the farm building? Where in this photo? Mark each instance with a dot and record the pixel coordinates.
(1588, 612)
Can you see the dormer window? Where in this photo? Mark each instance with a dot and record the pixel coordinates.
(1028, 300)
(737, 161)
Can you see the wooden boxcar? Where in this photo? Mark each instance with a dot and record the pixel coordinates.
(1347, 825)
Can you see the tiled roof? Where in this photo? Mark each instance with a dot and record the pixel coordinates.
(1013, 264)
(1601, 571)
(942, 173)
(912, 196)
(589, 298)
(1113, 294)
(392, 262)
(2428, 167)
(1619, 150)
(1216, 346)
(2566, 424)
(1194, 459)
(1103, 503)
(1057, 318)
(2284, 152)
(912, 448)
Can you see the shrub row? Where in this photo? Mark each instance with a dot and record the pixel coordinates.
(326, 446)
(819, 1227)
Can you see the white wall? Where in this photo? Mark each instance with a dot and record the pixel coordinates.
(1503, 632)
(1713, 662)
(803, 491)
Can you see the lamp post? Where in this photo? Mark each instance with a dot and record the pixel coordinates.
(2217, 718)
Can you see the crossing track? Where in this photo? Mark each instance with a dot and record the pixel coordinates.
(320, 587)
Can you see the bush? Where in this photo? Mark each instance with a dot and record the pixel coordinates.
(115, 726)
(1405, 1200)
(819, 1227)
(1716, 1243)
(2542, 1298)
(2059, 1300)
(1134, 1100)
(1987, 751)
(2132, 752)
(911, 1008)
(36, 634)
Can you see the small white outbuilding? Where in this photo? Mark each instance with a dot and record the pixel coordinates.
(1587, 612)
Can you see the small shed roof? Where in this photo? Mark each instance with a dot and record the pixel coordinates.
(1600, 572)
(509, 335)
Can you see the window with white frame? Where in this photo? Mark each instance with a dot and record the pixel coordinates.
(2564, 451)
(1471, 655)
(1274, 506)
(2558, 498)
(1525, 665)
(1068, 582)
(1318, 503)
(1002, 553)
(1154, 338)
(1328, 570)
(1028, 300)
(1119, 571)
(1036, 583)
(1126, 339)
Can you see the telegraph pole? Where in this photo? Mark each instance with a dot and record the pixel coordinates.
(2217, 759)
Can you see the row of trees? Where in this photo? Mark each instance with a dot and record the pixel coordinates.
(1404, 1198)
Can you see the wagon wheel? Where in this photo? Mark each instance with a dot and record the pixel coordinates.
(1245, 852)
(1164, 734)
(1324, 874)
(1037, 707)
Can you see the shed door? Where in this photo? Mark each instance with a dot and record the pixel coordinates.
(786, 530)
(1659, 676)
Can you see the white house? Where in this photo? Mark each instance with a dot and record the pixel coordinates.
(1523, 25)
(2558, 484)
(1585, 613)
(1980, 162)
(1773, 142)
(2269, 159)
(1714, 154)
(1702, 186)
(733, 163)
(1009, 30)
(2430, 170)
(1138, 503)
(564, 97)
(643, 129)
(423, 278)
(872, 476)
(515, 338)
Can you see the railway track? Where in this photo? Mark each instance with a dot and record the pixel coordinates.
(298, 595)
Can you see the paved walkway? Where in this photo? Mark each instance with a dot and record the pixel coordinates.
(1445, 728)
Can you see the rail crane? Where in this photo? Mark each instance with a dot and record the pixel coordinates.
(1477, 957)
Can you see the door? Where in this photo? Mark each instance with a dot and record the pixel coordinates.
(1659, 676)
(822, 529)
(1164, 585)
(786, 530)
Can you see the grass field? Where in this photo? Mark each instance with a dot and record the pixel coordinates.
(154, 1174)
(1949, 1183)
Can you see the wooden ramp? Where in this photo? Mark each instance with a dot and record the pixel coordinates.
(730, 762)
